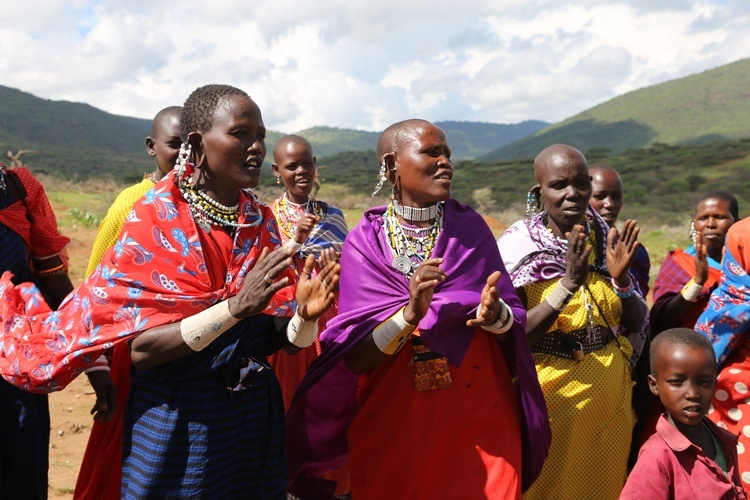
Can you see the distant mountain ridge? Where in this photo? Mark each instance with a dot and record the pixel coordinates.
(467, 139)
(697, 109)
(80, 141)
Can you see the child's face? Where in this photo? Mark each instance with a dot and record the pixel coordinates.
(165, 144)
(296, 165)
(685, 382)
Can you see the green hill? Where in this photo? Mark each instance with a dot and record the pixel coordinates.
(75, 140)
(709, 106)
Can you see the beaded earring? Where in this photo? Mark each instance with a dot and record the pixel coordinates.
(381, 178)
(278, 180)
(532, 203)
(186, 149)
(693, 233)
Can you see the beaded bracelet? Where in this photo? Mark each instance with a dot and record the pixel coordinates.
(626, 292)
(52, 271)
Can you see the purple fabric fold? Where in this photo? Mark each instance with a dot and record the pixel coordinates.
(372, 291)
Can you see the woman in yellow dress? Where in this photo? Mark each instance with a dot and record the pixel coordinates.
(586, 325)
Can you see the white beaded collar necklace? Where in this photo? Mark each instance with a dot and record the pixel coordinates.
(415, 214)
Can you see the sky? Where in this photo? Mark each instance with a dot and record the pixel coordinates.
(365, 64)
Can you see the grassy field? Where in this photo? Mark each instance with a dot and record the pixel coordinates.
(81, 206)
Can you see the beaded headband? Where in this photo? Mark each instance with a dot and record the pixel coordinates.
(415, 213)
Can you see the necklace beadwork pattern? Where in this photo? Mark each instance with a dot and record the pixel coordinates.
(410, 245)
(288, 214)
(208, 212)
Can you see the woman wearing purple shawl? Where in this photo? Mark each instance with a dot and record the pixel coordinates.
(586, 324)
(415, 381)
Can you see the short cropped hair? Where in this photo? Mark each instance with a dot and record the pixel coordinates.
(720, 194)
(197, 113)
(674, 337)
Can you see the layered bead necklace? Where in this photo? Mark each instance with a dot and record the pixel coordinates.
(411, 245)
(208, 212)
(288, 213)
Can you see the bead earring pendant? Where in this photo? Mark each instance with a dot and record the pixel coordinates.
(532, 204)
(278, 180)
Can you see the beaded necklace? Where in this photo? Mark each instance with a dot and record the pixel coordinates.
(288, 213)
(410, 245)
(208, 212)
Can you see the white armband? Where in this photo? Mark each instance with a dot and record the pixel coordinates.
(293, 245)
(391, 334)
(199, 330)
(559, 297)
(691, 291)
(504, 320)
(300, 332)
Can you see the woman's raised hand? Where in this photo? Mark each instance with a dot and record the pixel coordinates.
(315, 295)
(260, 283)
(701, 260)
(576, 259)
(621, 252)
(421, 287)
(489, 304)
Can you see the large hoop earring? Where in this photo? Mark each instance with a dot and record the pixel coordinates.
(186, 149)
(381, 178)
(532, 203)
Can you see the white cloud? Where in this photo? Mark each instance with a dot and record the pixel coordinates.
(365, 64)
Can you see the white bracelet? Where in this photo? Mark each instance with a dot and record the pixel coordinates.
(199, 330)
(293, 245)
(691, 291)
(504, 320)
(559, 297)
(300, 332)
(391, 334)
(100, 365)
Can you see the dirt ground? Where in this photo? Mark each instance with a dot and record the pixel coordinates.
(70, 429)
(69, 409)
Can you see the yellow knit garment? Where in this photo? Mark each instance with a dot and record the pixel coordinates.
(109, 229)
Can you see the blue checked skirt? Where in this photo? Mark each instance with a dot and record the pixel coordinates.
(187, 435)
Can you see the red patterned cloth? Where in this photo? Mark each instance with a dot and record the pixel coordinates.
(156, 274)
(45, 240)
(678, 268)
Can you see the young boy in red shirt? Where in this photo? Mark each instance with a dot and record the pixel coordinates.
(688, 456)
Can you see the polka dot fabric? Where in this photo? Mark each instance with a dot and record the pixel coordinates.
(589, 403)
(592, 421)
(731, 407)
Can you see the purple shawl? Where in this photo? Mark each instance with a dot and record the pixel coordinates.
(372, 291)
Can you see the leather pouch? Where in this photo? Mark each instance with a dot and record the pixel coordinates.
(430, 369)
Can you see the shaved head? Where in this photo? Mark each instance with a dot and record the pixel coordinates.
(556, 156)
(398, 134)
(281, 144)
(165, 116)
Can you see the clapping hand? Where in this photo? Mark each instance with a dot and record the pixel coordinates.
(621, 252)
(315, 295)
(576, 259)
(701, 260)
(421, 287)
(489, 304)
(305, 225)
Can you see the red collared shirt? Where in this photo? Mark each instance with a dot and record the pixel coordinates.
(670, 466)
